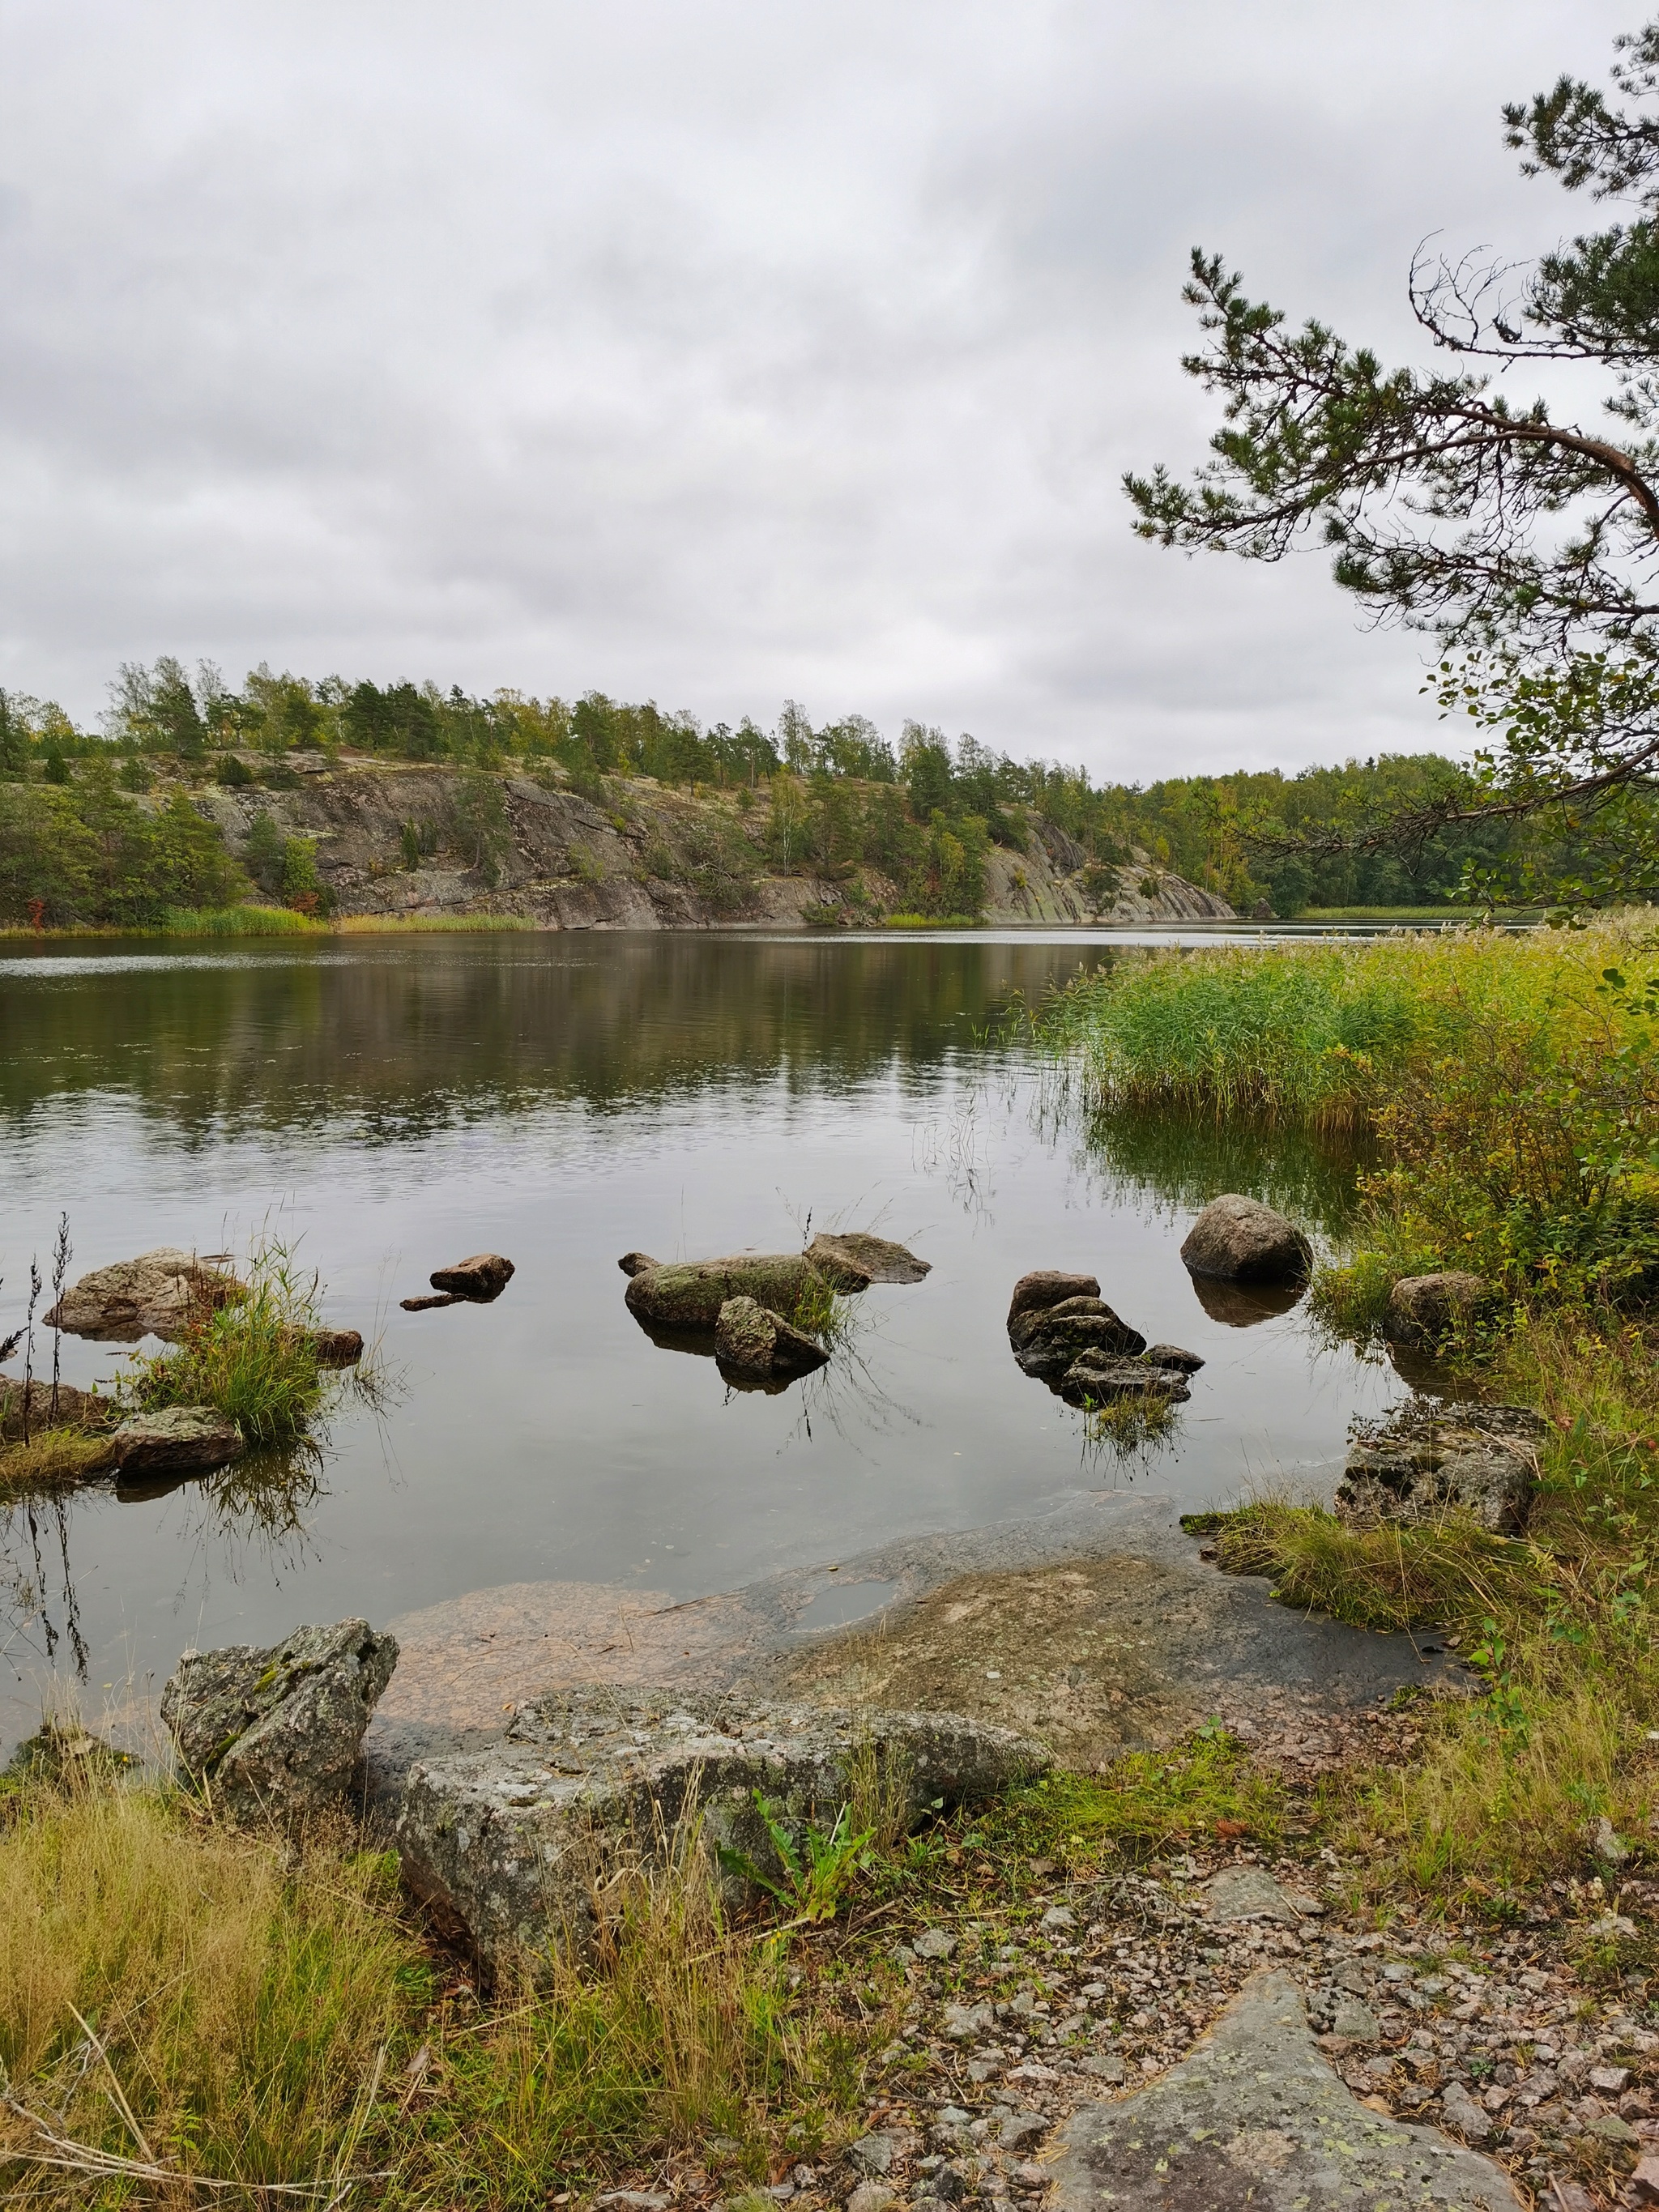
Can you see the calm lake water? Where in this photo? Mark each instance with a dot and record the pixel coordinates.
(389, 1106)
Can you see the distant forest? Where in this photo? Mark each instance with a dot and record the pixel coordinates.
(1254, 837)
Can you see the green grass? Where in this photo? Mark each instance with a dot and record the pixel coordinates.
(398, 925)
(52, 1459)
(932, 921)
(254, 1358)
(239, 921)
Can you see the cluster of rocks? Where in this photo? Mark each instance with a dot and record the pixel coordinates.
(1427, 1459)
(1065, 1335)
(478, 1281)
(741, 1305)
(173, 1440)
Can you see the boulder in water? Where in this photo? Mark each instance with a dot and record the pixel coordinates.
(176, 1440)
(760, 1344)
(1237, 1239)
(276, 1734)
(1046, 1341)
(1047, 1286)
(689, 1294)
(1171, 1355)
(481, 1277)
(1103, 1381)
(160, 1293)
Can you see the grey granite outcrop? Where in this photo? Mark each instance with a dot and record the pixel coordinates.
(507, 1843)
(1254, 2120)
(276, 1734)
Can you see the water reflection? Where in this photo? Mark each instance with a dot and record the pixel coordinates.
(558, 1101)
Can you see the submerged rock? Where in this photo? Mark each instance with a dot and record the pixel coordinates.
(276, 1734)
(508, 1843)
(1238, 1240)
(176, 1440)
(1047, 1286)
(1427, 1459)
(760, 1343)
(158, 1294)
(1255, 2117)
(689, 1294)
(875, 1258)
(1425, 1309)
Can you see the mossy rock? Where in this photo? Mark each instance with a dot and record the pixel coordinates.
(690, 1294)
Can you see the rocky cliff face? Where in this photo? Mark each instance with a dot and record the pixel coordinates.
(410, 840)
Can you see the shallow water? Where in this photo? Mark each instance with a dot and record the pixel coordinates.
(394, 1104)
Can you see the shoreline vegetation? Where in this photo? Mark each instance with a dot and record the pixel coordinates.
(333, 800)
(1511, 1086)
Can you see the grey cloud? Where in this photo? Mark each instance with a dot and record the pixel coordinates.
(711, 354)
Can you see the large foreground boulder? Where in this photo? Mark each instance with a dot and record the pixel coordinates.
(852, 1252)
(1427, 1459)
(160, 1293)
(757, 1342)
(176, 1440)
(1237, 1239)
(689, 1294)
(1424, 1310)
(276, 1734)
(1255, 2120)
(508, 1844)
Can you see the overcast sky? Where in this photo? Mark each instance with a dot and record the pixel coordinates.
(715, 353)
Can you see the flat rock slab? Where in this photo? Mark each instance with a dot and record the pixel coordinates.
(875, 1258)
(507, 1842)
(1255, 2121)
(1248, 1892)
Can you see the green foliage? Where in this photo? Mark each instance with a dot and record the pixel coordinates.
(254, 1358)
(1511, 1085)
(482, 833)
(285, 866)
(84, 852)
(809, 1884)
(1141, 1804)
(1523, 539)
